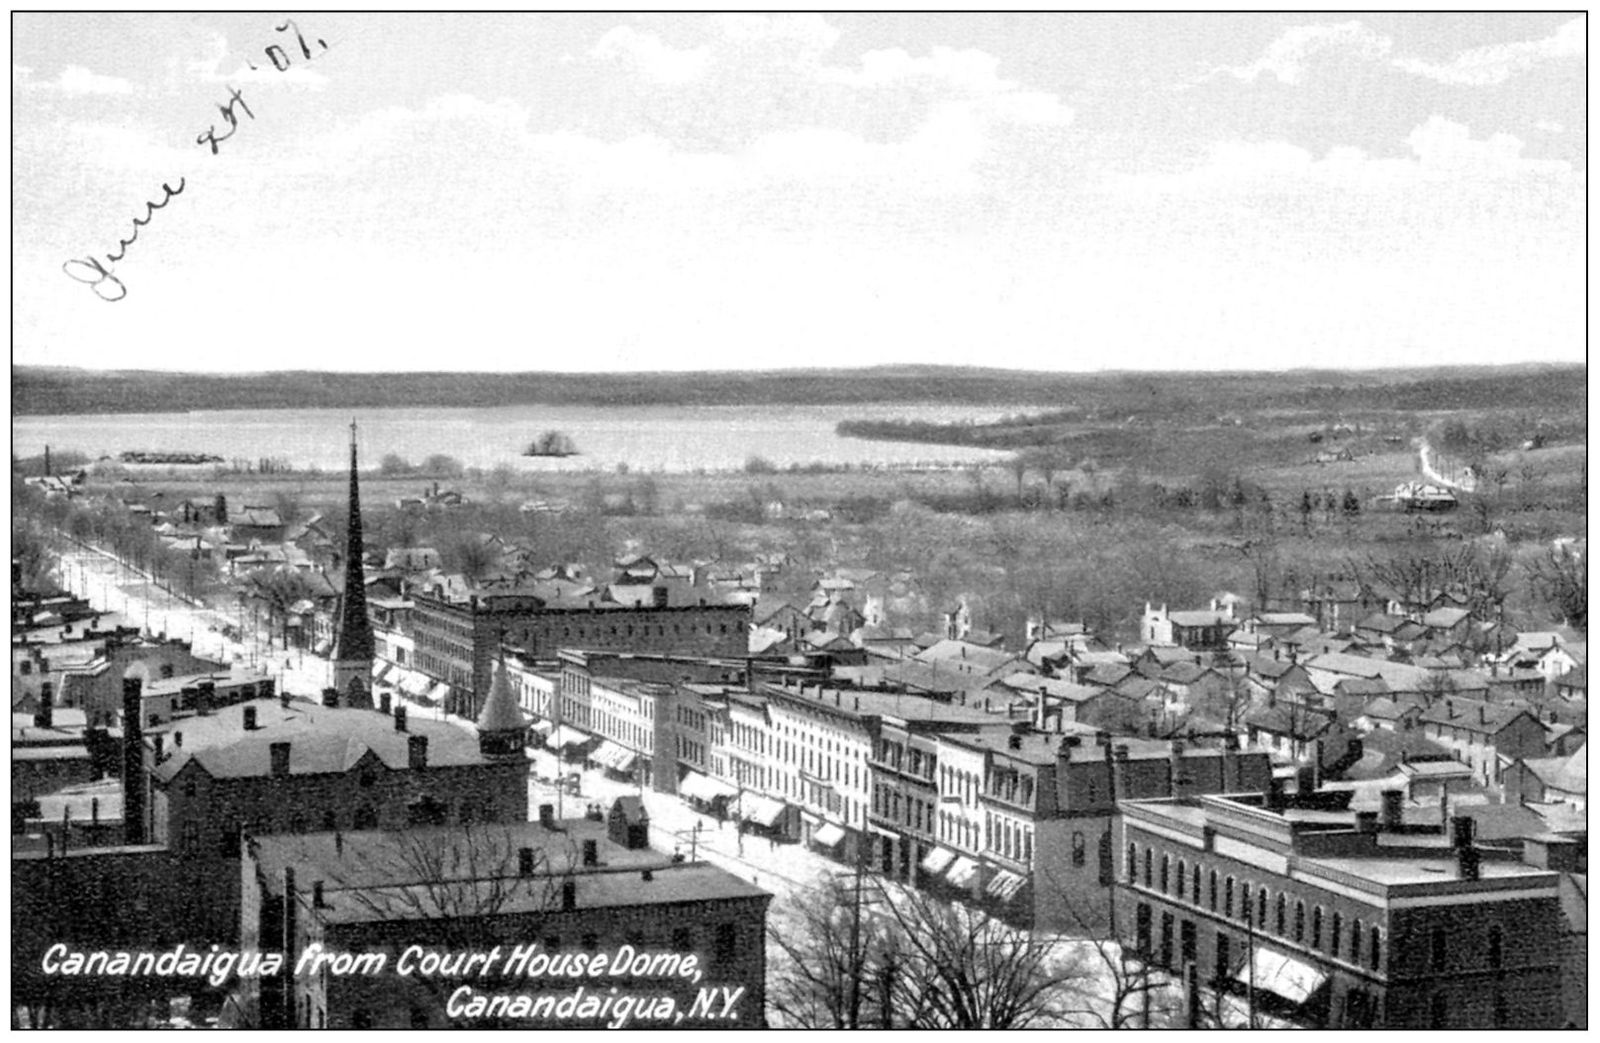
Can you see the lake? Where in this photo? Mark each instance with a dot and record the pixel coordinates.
(645, 438)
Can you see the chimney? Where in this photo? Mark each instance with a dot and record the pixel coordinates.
(417, 752)
(1175, 766)
(1467, 863)
(205, 697)
(280, 758)
(1275, 799)
(525, 860)
(249, 718)
(1483, 714)
(330, 697)
(646, 875)
(316, 895)
(45, 716)
(591, 853)
(283, 698)
(338, 844)
(133, 781)
(1391, 809)
(177, 739)
(399, 717)
(1366, 822)
(1014, 741)
(569, 895)
(160, 747)
(1230, 764)
(385, 702)
(1461, 831)
(547, 816)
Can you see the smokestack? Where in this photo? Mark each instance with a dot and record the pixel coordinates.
(132, 761)
(1391, 809)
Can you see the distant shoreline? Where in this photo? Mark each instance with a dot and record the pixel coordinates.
(46, 391)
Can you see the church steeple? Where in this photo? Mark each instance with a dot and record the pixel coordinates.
(353, 642)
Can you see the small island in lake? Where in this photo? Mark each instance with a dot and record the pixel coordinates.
(138, 456)
(551, 443)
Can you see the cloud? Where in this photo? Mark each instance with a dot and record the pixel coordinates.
(1289, 56)
(264, 74)
(948, 75)
(645, 55)
(74, 80)
(1549, 127)
(1495, 64)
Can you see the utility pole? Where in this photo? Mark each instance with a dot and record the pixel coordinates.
(855, 942)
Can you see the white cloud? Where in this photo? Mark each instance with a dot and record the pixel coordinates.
(1549, 127)
(74, 80)
(948, 74)
(651, 59)
(1287, 58)
(1495, 64)
(264, 74)
(1290, 56)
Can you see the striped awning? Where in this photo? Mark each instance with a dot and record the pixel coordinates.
(763, 811)
(564, 736)
(828, 835)
(962, 872)
(935, 861)
(613, 756)
(703, 787)
(543, 727)
(1005, 885)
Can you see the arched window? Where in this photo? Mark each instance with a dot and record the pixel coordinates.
(1183, 876)
(1133, 862)
(1261, 909)
(1078, 855)
(1439, 1011)
(1335, 934)
(1299, 921)
(1196, 881)
(1148, 860)
(1316, 927)
(1227, 898)
(1213, 890)
(1496, 946)
(1283, 903)
(1375, 949)
(1166, 865)
(1245, 910)
(1355, 941)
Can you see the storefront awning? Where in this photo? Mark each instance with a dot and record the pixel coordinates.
(613, 756)
(322, 648)
(439, 694)
(828, 835)
(703, 787)
(382, 676)
(962, 872)
(1005, 885)
(763, 811)
(1282, 974)
(543, 727)
(935, 861)
(564, 737)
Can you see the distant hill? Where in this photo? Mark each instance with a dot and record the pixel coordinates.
(52, 390)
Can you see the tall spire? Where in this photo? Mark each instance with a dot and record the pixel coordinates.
(501, 726)
(353, 643)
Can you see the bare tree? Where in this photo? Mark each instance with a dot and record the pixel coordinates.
(1559, 577)
(461, 883)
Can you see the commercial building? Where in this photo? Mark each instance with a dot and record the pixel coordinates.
(1325, 917)
(538, 894)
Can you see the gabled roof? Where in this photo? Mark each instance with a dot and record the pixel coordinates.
(1381, 623)
(1474, 715)
(1444, 618)
(1108, 674)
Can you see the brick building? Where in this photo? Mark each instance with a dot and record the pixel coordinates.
(457, 641)
(568, 889)
(1329, 918)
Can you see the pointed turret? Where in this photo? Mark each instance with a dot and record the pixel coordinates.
(353, 643)
(501, 726)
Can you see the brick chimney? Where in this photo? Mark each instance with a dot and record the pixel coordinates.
(417, 752)
(591, 853)
(547, 816)
(133, 782)
(249, 718)
(400, 717)
(525, 860)
(279, 752)
(1391, 809)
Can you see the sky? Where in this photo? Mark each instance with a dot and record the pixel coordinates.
(607, 192)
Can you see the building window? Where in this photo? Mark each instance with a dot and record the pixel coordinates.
(1299, 921)
(1316, 927)
(1105, 859)
(1283, 903)
(1438, 948)
(1166, 864)
(1224, 958)
(1148, 859)
(1375, 949)
(1355, 941)
(1166, 941)
(1244, 903)
(1496, 946)
(1213, 890)
(1142, 928)
(1078, 856)
(1133, 862)
(1195, 891)
(726, 944)
(1183, 873)
(1261, 909)
(1502, 1016)
(1335, 933)
(1227, 898)
(1439, 1013)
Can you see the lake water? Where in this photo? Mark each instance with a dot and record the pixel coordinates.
(646, 438)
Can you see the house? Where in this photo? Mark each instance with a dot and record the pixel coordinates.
(1199, 630)
(1549, 780)
(1385, 714)
(1448, 622)
(1485, 736)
